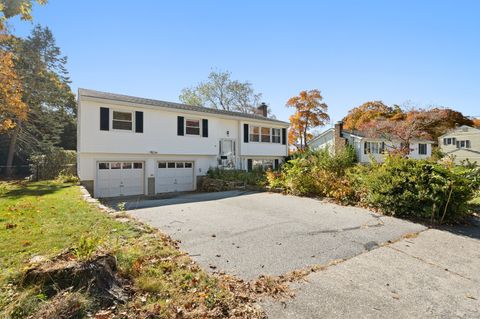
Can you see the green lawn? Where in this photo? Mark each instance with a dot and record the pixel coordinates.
(45, 218)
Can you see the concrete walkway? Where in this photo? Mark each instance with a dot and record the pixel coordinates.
(436, 275)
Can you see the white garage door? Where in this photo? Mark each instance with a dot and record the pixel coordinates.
(174, 176)
(119, 179)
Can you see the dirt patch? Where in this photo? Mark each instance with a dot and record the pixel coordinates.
(97, 277)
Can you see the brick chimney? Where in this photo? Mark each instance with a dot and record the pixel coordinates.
(262, 109)
(338, 140)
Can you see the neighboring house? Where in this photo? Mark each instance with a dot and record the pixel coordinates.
(129, 145)
(463, 142)
(366, 147)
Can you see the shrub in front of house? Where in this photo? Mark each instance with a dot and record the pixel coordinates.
(55, 163)
(316, 173)
(416, 188)
(253, 178)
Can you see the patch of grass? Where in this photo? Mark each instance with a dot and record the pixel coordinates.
(46, 218)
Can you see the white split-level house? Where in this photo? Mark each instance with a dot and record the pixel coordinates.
(136, 146)
(463, 143)
(366, 148)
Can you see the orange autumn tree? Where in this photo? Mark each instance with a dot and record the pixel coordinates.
(295, 131)
(369, 111)
(12, 107)
(476, 122)
(310, 112)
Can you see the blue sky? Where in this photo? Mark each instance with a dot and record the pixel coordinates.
(421, 52)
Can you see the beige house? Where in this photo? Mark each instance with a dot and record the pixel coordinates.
(463, 143)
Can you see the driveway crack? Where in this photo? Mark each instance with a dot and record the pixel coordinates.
(430, 263)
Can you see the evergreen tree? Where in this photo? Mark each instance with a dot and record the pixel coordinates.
(46, 91)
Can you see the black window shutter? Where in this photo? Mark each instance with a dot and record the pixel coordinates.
(180, 126)
(205, 128)
(276, 163)
(139, 122)
(249, 164)
(104, 118)
(245, 133)
(284, 136)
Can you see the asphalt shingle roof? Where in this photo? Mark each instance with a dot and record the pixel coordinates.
(171, 105)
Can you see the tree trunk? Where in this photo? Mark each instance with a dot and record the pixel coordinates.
(305, 132)
(11, 149)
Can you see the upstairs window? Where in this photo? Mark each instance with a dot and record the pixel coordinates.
(122, 121)
(276, 135)
(254, 134)
(192, 127)
(422, 149)
(464, 144)
(265, 135)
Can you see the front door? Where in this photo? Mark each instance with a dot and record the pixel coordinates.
(227, 153)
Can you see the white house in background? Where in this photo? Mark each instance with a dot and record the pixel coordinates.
(463, 142)
(366, 147)
(129, 145)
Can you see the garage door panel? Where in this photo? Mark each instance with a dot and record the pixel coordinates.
(120, 178)
(174, 176)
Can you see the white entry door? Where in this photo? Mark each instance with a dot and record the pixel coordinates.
(227, 153)
(174, 176)
(119, 179)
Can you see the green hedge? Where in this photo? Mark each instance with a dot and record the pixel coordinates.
(417, 188)
(57, 162)
(254, 178)
(316, 173)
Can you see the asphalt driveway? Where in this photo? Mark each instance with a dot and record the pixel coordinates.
(429, 274)
(253, 234)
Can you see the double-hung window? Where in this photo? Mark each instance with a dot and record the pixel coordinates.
(254, 134)
(463, 144)
(192, 127)
(122, 121)
(422, 149)
(373, 148)
(265, 134)
(276, 135)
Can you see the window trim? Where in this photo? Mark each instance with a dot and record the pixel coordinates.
(279, 135)
(260, 135)
(269, 134)
(250, 129)
(379, 147)
(199, 126)
(420, 145)
(122, 111)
